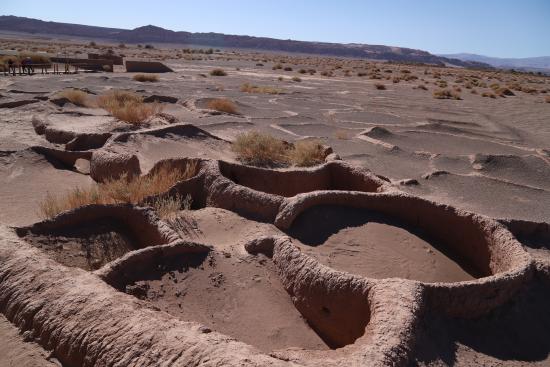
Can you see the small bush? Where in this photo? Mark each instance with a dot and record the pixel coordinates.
(146, 78)
(222, 105)
(77, 97)
(421, 86)
(547, 99)
(503, 92)
(307, 153)
(218, 72)
(342, 135)
(446, 94)
(249, 88)
(487, 94)
(124, 190)
(288, 68)
(261, 150)
(128, 106)
(277, 67)
(296, 79)
(170, 205)
(302, 71)
(380, 86)
(149, 47)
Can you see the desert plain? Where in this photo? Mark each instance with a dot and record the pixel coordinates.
(419, 237)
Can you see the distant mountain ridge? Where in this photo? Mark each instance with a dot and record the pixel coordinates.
(541, 63)
(153, 34)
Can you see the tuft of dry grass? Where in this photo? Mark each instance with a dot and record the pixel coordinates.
(146, 78)
(342, 135)
(125, 190)
(307, 153)
(259, 149)
(167, 206)
(128, 106)
(421, 86)
(446, 94)
(222, 105)
(487, 94)
(296, 79)
(218, 72)
(379, 86)
(76, 97)
(503, 92)
(249, 88)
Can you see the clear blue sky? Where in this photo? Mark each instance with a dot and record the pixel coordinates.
(502, 28)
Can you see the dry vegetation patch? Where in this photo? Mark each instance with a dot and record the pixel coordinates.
(249, 88)
(218, 72)
(222, 105)
(146, 78)
(446, 94)
(125, 190)
(262, 150)
(380, 86)
(128, 106)
(76, 97)
(307, 153)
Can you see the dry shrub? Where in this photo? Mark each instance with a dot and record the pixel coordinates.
(263, 150)
(218, 72)
(125, 190)
(76, 97)
(128, 106)
(487, 94)
(249, 88)
(296, 79)
(258, 149)
(146, 78)
(446, 94)
(380, 86)
(169, 205)
(421, 86)
(222, 105)
(547, 99)
(503, 92)
(342, 135)
(307, 153)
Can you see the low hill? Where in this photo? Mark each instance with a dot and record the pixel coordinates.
(153, 34)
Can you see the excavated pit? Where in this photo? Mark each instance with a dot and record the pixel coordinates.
(238, 296)
(92, 236)
(288, 183)
(88, 247)
(375, 245)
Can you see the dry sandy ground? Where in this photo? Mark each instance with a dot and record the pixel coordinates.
(491, 156)
(15, 352)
